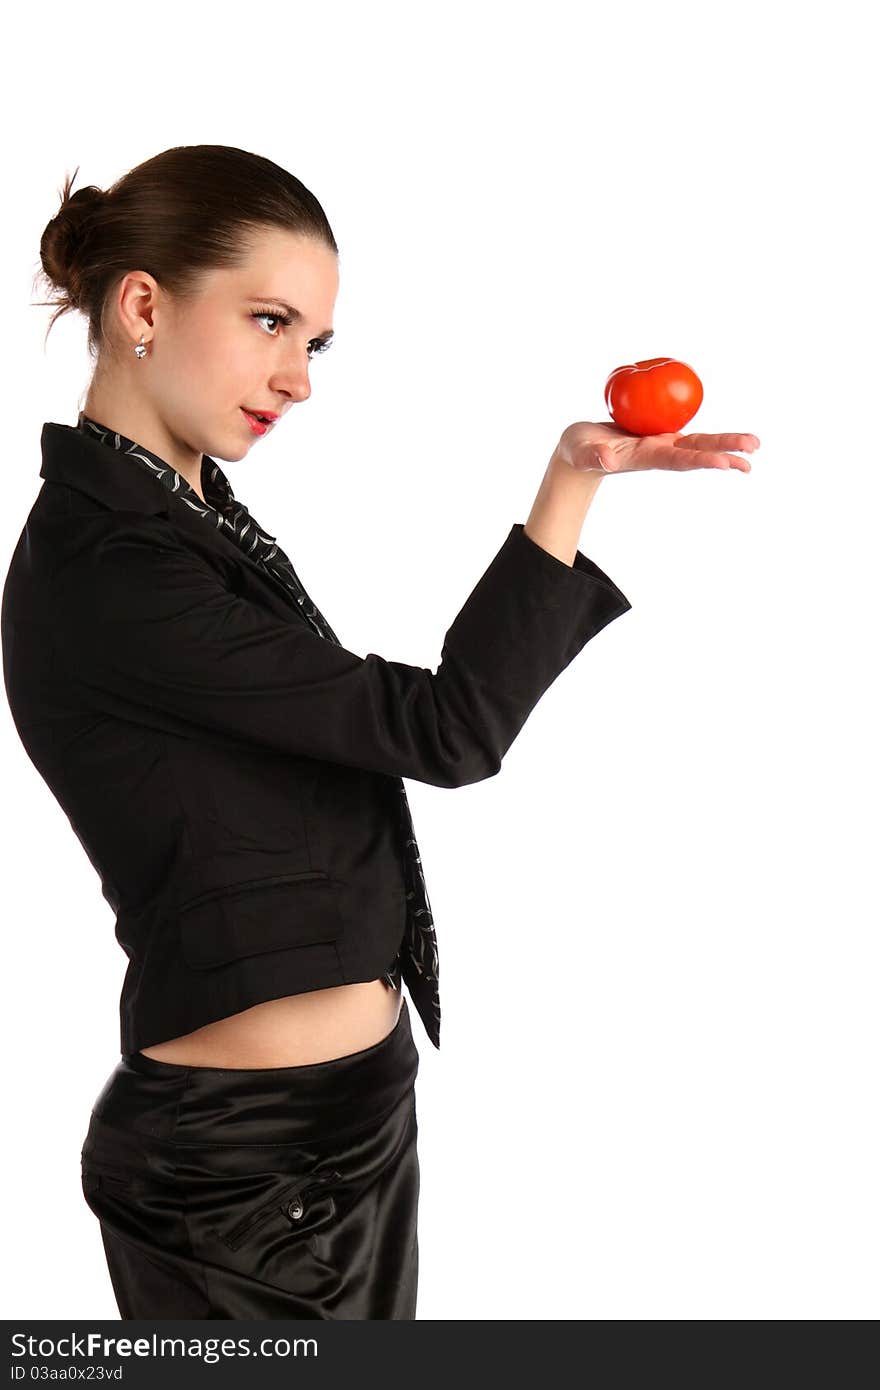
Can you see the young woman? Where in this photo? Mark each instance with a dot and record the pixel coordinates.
(235, 774)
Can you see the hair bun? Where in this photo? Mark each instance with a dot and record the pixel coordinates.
(64, 236)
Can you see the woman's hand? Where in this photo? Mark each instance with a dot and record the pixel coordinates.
(604, 448)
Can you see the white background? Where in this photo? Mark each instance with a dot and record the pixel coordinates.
(656, 1096)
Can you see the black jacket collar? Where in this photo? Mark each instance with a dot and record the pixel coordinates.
(120, 483)
(72, 458)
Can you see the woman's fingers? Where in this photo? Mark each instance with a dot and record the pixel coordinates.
(719, 443)
(683, 460)
(650, 452)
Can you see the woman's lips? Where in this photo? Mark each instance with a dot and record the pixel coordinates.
(256, 425)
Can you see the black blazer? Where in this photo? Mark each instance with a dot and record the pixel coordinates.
(231, 775)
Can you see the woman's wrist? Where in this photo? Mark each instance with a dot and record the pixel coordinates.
(558, 511)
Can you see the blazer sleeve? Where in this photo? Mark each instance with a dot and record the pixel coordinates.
(151, 633)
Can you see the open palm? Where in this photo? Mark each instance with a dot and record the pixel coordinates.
(606, 448)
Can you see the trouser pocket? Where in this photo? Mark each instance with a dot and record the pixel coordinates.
(304, 1204)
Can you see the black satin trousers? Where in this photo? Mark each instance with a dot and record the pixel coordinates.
(279, 1192)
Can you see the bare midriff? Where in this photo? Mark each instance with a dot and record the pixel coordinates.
(293, 1031)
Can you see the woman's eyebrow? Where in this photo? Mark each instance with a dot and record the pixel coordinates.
(294, 313)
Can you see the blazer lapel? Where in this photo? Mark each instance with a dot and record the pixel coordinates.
(204, 534)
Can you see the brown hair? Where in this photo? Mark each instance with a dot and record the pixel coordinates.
(186, 211)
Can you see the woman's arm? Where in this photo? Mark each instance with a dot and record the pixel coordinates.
(148, 631)
(560, 507)
(587, 451)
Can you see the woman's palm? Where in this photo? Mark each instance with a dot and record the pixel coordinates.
(606, 448)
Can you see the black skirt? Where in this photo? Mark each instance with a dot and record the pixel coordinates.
(277, 1192)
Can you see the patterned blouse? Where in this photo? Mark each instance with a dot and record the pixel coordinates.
(417, 960)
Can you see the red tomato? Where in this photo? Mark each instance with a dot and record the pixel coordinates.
(657, 396)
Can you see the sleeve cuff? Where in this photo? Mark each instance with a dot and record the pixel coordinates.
(561, 577)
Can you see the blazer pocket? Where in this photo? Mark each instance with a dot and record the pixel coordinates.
(265, 914)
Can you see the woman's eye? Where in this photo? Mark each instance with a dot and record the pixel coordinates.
(267, 314)
(315, 347)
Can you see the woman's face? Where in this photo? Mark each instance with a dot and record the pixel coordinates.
(208, 358)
